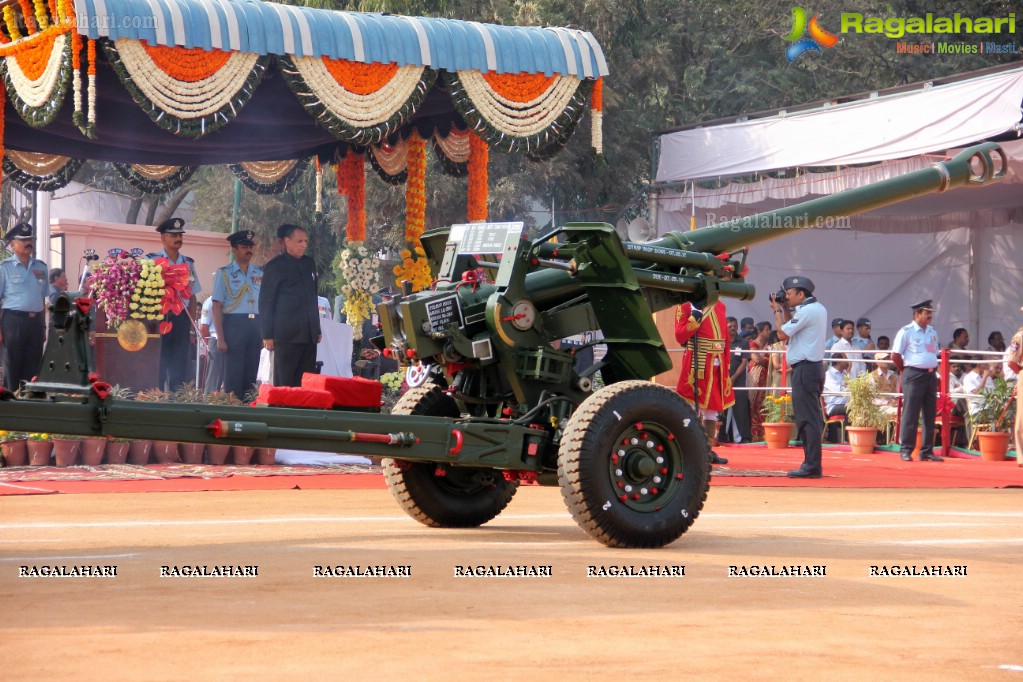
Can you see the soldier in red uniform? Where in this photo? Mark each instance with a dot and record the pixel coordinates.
(704, 336)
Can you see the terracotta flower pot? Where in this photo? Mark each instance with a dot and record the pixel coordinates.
(117, 452)
(139, 451)
(266, 456)
(191, 453)
(919, 444)
(993, 445)
(217, 454)
(65, 451)
(778, 434)
(16, 452)
(861, 439)
(241, 454)
(166, 452)
(93, 450)
(39, 452)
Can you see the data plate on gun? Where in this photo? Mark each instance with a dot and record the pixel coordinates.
(484, 238)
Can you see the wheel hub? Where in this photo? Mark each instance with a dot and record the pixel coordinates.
(646, 466)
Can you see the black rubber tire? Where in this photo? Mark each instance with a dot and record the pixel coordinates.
(463, 498)
(587, 472)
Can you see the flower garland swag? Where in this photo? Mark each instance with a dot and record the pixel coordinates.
(360, 274)
(153, 178)
(452, 150)
(46, 172)
(357, 102)
(126, 286)
(479, 157)
(522, 112)
(37, 72)
(414, 266)
(269, 177)
(390, 161)
(188, 92)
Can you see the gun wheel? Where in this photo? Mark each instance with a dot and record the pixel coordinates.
(634, 465)
(463, 497)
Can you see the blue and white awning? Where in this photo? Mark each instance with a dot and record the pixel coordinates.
(271, 28)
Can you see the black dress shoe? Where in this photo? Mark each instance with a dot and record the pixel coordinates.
(714, 459)
(804, 473)
(931, 458)
(906, 457)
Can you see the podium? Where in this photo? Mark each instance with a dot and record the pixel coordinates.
(134, 370)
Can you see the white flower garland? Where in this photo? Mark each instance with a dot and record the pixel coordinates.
(37, 93)
(391, 158)
(519, 119)
(597, 131)
(455, 145)
(180, 98)
(360, 111)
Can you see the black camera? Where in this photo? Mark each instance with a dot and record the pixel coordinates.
(780, 297)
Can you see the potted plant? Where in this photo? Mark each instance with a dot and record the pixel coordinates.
(994, 419)
(14, 448)
(778, 420)
(164, 452)
(118, 449)
(217, 453)
(65, 449)
(865, 418)
(191, 453)
(40, 447)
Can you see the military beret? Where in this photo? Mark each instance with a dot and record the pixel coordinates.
(863, 322)
(19, 231)
(247, 237)
(171, 226)
(923, 305)
(797, 282)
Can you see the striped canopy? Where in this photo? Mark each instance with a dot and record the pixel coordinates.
(271, 28)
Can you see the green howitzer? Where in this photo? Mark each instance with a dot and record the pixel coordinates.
(493, 399)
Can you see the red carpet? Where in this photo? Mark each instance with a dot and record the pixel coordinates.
(757, 465)
(748, 465)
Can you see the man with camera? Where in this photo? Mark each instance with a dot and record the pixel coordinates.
(802, 321)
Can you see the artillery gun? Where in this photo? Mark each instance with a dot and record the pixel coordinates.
(494, 401)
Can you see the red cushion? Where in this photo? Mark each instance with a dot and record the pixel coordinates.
(347, 392)
(293, 396)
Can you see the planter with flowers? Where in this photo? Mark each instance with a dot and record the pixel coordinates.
(191, 453)
(40, 448)
(778, 420)
(163, 452)
(15, 448)
(217, 453)
(65, 449)
(359, 277)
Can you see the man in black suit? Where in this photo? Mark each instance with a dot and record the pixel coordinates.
(288, 313)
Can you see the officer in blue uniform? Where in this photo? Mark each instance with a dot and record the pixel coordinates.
(236, 314)
(915, 356)
(175, 344)
(23, 289)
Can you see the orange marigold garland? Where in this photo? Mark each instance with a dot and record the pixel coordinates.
(26, 16)
(414, 267)
(479, 157)
(415, 189)
(597, 120)
(355, 188)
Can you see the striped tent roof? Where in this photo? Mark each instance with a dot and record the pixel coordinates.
(270, 28)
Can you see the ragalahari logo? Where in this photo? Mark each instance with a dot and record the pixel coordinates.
(819, 39)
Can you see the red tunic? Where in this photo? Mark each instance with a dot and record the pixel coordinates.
(712, 349)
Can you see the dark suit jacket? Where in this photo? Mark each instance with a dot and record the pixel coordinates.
(287, 300)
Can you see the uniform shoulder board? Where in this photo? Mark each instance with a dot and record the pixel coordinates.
(153, 255)
(189, 259)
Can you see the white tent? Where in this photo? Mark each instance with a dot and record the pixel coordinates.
(963, 248)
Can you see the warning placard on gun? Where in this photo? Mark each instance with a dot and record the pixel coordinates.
(443, 312)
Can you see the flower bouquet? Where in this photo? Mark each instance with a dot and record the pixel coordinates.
(778, 409)
(127, 286)
(414, 267)
(360, 276)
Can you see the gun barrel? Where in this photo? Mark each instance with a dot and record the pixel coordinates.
(975, 166)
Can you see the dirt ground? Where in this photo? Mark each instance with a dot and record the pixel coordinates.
(287, 624)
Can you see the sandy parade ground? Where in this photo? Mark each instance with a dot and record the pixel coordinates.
(779, 583)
